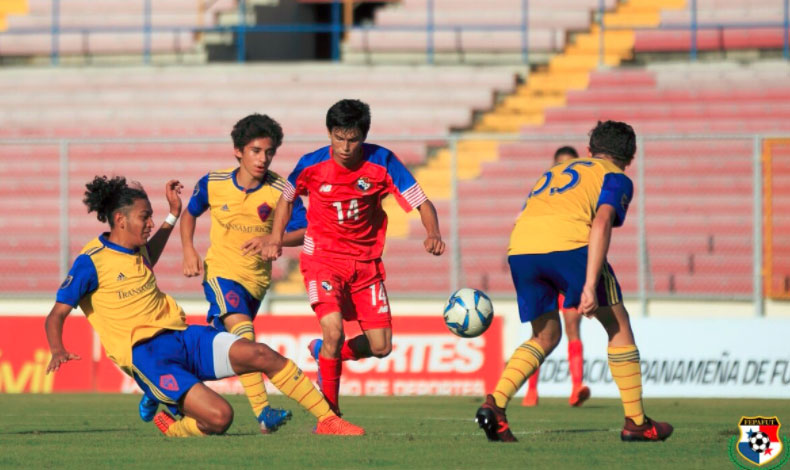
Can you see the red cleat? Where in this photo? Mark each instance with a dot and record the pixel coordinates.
(579, 395)
(163, 420)
(649, 431)
(493, 421)
(531, 398)
(337, 426)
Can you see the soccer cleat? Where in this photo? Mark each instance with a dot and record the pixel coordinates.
(649, 431)
(315, 347)
(337, 426)
(579, 395)
(163, 420)
(493, 421)
(531, 398)
(271, 419)
(147, 408)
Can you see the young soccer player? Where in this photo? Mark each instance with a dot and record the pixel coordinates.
(559, 244)
(241, 200)
(579, 392)
(346, 227)
(143, 330)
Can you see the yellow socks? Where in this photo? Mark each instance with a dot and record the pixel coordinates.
(294, 384)
(253, 383)
(524, 361)
(185, 427)
(624, 364)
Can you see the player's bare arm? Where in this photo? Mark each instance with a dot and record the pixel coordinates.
(282, 214)
(600, 236)
(54, 327)
(191, 263)
(256, 244)
(157, 243)
(433, 241)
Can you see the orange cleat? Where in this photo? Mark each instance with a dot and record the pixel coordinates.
(163, 420)
(579, 395)
(649, 431)
(337, 426)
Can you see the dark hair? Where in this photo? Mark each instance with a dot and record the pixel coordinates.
(567, 150)
(347, 115)
(613, 138)
(106, 196)
(256, 126)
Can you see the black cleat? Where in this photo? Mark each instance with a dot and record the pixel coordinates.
(493, 421)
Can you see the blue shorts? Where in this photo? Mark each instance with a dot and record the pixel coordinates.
(540, 278)
(169, 364)
(225, 296)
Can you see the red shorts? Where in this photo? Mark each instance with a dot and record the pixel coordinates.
(352, 287)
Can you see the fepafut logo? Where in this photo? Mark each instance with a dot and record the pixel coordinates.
(759, 443)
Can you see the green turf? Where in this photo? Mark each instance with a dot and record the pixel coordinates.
(100, 431)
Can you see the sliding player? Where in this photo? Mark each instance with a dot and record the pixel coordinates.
(143, 330)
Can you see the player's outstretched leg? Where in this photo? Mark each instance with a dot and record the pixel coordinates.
(246, 356)
(627, 374)
(269, 419)
(493, 421)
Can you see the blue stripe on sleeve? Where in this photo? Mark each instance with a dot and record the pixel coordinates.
(308, 160)
(198, 203)
(617, 191)
(298, 216)
(401, 176)
(81, 280)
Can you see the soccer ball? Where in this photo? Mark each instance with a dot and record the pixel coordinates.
(468, 313)
(759, 442)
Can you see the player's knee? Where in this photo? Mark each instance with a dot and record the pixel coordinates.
(219, 420)
(333, 341)
(266, 358)
(380, 351)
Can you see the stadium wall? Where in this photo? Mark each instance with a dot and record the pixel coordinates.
(726, 352)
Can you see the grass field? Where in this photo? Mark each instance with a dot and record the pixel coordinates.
(102, 431)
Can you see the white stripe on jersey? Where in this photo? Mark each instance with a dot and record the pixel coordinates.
(312, 292)
(415, 195)
(289, 191)
(309, 245)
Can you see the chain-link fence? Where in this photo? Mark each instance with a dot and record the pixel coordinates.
(694, 230)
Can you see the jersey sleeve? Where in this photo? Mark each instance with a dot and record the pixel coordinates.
(198, 203)
(298, 216)
(406, 189)
(617, 191)
(81, 280)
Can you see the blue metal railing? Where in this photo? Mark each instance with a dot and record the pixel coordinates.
(335, 28)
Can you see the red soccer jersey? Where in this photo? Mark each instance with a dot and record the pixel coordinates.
(344, 215)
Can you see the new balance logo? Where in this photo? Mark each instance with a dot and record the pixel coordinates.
(225, 208)
(120, 277)
(325, 188)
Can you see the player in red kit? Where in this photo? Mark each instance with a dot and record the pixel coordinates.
(346, 226)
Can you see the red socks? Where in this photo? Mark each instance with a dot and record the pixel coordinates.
(331, 369)
(576, 362)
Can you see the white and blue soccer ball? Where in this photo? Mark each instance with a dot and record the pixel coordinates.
(468, 312)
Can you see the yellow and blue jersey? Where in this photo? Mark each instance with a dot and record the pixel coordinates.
(560, 208)
(116, 288)
(236, 216)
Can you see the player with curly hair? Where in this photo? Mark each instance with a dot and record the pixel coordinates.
(143, 330)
